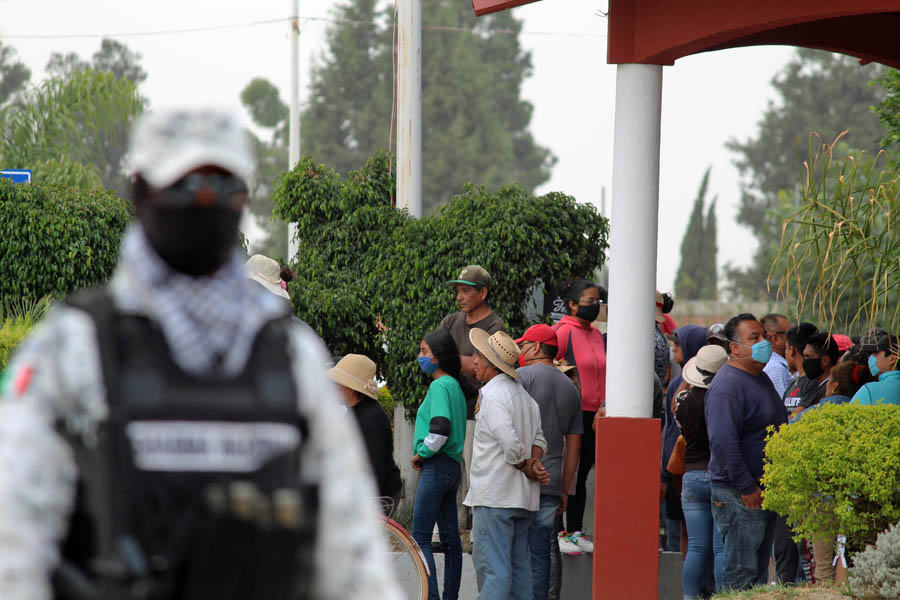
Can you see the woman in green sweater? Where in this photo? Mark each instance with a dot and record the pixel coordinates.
(439, 438)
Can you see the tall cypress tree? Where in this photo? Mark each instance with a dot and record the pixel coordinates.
(475, 124)
(697, 278)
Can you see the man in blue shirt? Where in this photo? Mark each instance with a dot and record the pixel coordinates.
(883, 365)
(776, 369)
(740, 404)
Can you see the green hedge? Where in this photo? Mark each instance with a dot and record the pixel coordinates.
(837, 471)
(56, 239)
(359, 258)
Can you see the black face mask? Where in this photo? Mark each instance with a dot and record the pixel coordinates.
(812, 368)
(588, 313)
(195, 240)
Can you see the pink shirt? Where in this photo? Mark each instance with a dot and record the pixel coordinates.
(583, 347)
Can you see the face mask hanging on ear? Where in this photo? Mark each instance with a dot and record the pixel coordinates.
(873, 366)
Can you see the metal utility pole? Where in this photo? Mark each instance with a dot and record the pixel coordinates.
(294, 123)
(409, 106)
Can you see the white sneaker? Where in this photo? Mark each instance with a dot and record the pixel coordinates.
(566, 546)
(583, 544)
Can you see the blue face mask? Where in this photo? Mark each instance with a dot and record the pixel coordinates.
(426, 365)
(762, 351)
(873, 366)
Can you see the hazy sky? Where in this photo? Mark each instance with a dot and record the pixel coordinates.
(707, 99)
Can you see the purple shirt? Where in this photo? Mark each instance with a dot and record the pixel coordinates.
(739, 408)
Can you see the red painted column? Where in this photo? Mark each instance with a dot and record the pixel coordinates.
(626, 509)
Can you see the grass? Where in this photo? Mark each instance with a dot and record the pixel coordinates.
(780, 592)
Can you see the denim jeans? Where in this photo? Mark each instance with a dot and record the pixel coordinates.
(541, 537)
(500, 553)
(747, 535)
(436, 503)
(703, 562)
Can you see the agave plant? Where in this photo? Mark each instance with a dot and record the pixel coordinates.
(839, 261)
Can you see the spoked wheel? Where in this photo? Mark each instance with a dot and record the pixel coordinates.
(407, 562)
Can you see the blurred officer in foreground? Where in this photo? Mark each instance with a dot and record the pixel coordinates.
(174, 434)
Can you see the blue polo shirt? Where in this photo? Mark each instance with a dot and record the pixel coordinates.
(739, 408)
(884, 391)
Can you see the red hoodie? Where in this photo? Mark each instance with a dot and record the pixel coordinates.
(583, 347)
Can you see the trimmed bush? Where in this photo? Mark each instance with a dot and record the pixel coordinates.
(837, 471)
(361, 259)
(876, 570)
(56, 239)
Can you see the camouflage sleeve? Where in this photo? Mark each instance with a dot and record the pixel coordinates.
(55, 371)
(351, 557)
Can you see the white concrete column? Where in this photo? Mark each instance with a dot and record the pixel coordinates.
(294, 117)
(632, 263)
(409, 106)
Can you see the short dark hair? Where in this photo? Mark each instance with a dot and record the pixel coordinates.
(771, 320)
(798, 334)
(732, 325)
(825, 345)
(548, 350)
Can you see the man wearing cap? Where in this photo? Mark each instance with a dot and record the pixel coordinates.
(503, 488)
(560, 406)
(174, 435)
(882, 364)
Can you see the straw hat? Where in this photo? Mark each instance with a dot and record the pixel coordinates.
(499, 348)
(356, 372)
(267, 273)
(699, 371)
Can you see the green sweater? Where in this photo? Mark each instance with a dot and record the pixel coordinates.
(441, 421)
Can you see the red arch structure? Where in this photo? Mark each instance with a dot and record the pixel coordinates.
(643, 35)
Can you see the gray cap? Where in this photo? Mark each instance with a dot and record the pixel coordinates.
(167, 144)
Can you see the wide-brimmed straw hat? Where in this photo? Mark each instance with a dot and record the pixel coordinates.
(700, 370)
(499, 348)
(356, 372)
(267, 273)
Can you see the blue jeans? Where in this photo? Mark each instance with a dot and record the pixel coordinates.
(704, 549)
(541, 537)
(747, 534)
(436, 503)
(500, 553)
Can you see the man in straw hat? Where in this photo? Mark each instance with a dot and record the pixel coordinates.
(173, 435)
(504, 488)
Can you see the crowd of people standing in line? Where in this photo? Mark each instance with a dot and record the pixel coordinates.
(534, 400)
(749, 375)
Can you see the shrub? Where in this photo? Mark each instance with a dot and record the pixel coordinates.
(836, 471)
(55, 239)
(876, 570)
(360, 259)
(17, 321)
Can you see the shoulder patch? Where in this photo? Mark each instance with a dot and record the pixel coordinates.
(22, 379)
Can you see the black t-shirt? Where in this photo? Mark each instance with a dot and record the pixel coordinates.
(813, 393)
(692, 421)
(375, 427)
(455, 324)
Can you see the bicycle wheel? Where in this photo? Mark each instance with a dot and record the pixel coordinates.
(407, 562)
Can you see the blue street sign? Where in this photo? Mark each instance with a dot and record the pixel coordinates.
(17, 175)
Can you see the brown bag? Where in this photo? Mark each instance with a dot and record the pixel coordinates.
(676, 459)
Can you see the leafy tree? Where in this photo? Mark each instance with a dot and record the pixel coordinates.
(818, 92)
(13, 73)
(475, 124)
(888, 110)
(65, 129)
(268, 111)
(365, 262)
(696, 278)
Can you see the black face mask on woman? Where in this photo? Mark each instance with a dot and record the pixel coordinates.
(589, 313)
(195, 240)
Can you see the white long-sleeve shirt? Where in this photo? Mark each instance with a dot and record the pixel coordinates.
(507, 425)
(56, 377)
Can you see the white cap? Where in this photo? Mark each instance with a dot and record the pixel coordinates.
(165, 145)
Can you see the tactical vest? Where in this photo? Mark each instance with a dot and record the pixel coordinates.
(192, 488)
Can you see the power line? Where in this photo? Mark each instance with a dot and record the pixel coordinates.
(211, 28)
